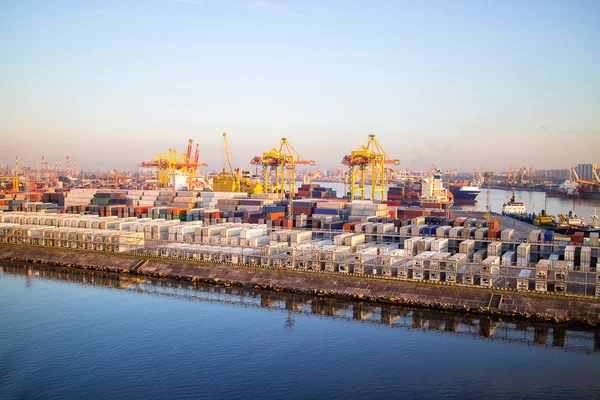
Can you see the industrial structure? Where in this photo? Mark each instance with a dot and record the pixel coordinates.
(368, 161)
(176, 170)
(231, 179)
(279, 168)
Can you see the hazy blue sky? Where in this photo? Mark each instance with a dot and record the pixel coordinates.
(456, 83)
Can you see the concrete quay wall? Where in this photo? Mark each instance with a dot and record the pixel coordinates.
(558, 309)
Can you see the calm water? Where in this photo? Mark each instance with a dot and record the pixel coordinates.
(75, 334)
(583, 208)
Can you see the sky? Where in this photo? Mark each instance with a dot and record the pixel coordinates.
(459, 84)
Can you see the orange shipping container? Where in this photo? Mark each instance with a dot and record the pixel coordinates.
(349, 227)
(275, 216)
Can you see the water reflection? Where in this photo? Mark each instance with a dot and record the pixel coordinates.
(571, 339)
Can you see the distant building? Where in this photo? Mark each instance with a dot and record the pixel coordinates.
(585, 171)
(556, 174)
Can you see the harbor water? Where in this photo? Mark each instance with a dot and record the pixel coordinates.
(80, 334)
(533, 201)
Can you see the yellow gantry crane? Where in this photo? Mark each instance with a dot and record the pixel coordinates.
(281, 160)
(369, 159)
(14, 180)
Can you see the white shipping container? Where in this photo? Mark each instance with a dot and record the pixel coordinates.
(522, 261)
(405, 230)
(586, 253)
(570, 253)
(507, 235)
(443, 231)
(479, 256)
(509, 258)
(424, 244)
(523, 250)
(466, 246)
(534, 236)
(439, 245)
(456, 232)
(494, 248)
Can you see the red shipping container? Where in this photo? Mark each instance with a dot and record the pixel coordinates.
(349, 227)
(494, 233)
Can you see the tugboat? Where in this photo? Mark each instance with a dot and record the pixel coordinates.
(517, 210)
(513, 207)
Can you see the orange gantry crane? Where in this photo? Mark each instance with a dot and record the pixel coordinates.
(281, 162)
(369, 159)
(173, 162)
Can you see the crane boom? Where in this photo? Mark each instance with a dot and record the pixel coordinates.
(596, 175)
(575, 173)
(189, 151)
(227, 155)
(196, 157)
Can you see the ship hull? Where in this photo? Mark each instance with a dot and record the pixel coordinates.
(570, 230)
(559, 194)
(465, 201)
(468, 197)
(590, 195)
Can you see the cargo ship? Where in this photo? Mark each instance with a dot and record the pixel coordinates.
(589, 192)
(427, 192)
(567, 190)
(465, 193)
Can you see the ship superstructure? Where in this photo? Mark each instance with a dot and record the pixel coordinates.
(514, 207)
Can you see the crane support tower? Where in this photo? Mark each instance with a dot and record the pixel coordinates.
(369, 159)
(488, 206)
(280, 162)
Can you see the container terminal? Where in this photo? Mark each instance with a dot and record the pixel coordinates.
(268, 223)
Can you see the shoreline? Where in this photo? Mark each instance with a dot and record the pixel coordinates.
(535, 307)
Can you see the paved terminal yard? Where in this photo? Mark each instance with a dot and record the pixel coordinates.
(521, 228)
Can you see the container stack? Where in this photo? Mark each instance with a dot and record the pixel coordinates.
(467, 247)
(523, 279)
(315, 191)
(494, 249)
(479, 256)
(523, 254)
(410, 246)
(561, 269)
(211, 198)
(598, 279)
(490, 270)
(509, 258)
(595, 239)
(534, 236)
(585, 259)
(437, 264)
(79, 197)
(570, 257)
(507, 235)
(361, 210)
(454, 264)
(541, 275)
